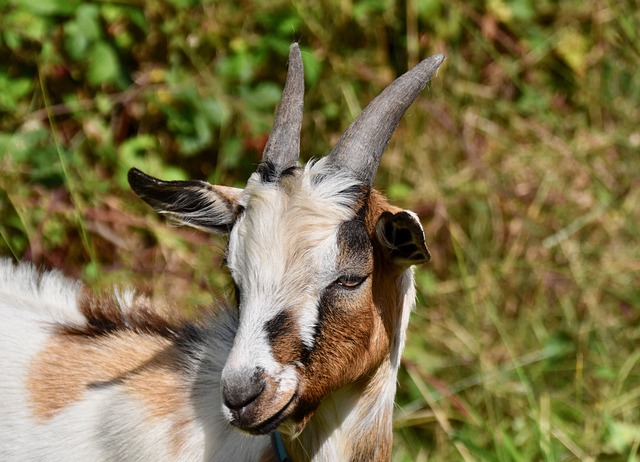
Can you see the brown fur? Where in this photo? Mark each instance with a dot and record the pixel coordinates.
(137, 356)
(347, 344)
(104, 316)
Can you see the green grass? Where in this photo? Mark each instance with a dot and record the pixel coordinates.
(521, 158)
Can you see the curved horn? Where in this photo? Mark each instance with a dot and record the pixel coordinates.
(360, 147)
(283, 147)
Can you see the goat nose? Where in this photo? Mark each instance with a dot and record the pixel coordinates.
(239, 390)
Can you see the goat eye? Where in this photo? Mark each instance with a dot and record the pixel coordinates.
(350, 281)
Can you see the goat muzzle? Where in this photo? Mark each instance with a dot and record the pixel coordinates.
(256, 403)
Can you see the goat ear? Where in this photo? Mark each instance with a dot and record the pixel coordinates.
(193, 203)
(402, 237)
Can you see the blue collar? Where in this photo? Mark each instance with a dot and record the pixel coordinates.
(278, 447)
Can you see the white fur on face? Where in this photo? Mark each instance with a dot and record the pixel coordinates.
(282, 254)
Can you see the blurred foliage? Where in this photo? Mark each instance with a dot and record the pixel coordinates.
(521, 159)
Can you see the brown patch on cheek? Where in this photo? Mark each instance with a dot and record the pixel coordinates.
(342, 353)
(145, 366)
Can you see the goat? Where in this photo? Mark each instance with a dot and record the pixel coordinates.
(307, 356)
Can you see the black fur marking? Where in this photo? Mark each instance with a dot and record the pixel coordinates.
(283, 336)
(353, 241)
(277, 326)
(271, 173)
(305, 354)
(104, 317)
(356, 190)
(237, 294)
(175, 196)
(359, 189)
(184, 200)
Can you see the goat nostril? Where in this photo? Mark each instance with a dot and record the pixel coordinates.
(241, 392)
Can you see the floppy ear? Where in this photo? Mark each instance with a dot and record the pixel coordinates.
(402, 237)
(194, 203)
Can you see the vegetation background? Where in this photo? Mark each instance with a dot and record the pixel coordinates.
(521, 158)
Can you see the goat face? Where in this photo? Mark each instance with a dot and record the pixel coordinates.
(316, 255)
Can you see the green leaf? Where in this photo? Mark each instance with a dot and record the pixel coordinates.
(427, 9)
(12, 90)
(312, 66)
(216, 113)
(522, 9)
(399, 191)
(264, 96)
(83, 31)
(230, 154)
(240, 66)
(28, 25)
(183, 3)
(48, 7)
(75, 42)
(103, 65)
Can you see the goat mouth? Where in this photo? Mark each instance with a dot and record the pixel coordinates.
(271, 423)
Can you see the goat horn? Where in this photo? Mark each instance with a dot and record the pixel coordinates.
(283, 146)
(360, 147)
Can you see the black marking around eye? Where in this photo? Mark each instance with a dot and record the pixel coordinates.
(353, 238)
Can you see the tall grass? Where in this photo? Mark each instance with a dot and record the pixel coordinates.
(521, 158)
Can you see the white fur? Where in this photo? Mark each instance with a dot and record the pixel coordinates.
(282, 253)
(106, 424)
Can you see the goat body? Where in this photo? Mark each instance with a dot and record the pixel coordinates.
(321, 263)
